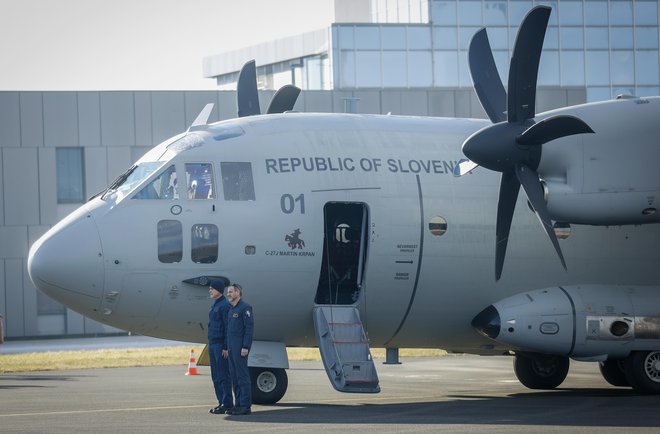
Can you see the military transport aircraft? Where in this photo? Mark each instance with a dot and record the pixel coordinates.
(354, 230)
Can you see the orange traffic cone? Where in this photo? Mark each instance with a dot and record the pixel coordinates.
(192, 364)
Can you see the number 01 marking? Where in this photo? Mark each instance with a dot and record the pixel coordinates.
(288, 203)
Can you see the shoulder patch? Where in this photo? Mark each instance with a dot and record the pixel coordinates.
(247, 312)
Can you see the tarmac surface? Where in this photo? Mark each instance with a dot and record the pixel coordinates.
(450, 394)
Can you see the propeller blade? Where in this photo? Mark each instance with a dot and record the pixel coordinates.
(486, 79)
(509, 188)
(284, 99)
(524, 68)
(246, 91)
(534, 191)
(464, 166)
(553, 128)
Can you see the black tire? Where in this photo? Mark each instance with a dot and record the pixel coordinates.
(268, 385)
(613, 371)
(643, 371)
(540, 371)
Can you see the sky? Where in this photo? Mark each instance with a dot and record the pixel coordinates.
(137, 44)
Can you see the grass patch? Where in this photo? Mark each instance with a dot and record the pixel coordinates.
(159, 356)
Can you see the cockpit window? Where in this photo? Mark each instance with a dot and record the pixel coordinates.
(237, 183)
(132, 178)
(163, 187)
(199, 179)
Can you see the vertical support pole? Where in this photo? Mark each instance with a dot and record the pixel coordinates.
(391, 356)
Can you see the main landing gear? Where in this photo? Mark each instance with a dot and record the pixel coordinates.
(268, 385)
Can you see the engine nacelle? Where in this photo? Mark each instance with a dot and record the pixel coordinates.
(601, 208)
(589, 322)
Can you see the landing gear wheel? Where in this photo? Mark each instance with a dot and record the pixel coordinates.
(613, 371)
(643, 371)
(268, 385)
(540, 371)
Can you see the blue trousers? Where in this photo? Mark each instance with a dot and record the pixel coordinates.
(240, 378)
(220, 376)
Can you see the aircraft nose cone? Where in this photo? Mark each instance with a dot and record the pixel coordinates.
(66, 263)
(488, 322)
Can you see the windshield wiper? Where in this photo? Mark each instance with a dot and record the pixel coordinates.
(116, 183)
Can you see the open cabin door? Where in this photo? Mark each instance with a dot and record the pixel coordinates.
(340, 334)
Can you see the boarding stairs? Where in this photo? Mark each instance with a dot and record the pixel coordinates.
(344, 349)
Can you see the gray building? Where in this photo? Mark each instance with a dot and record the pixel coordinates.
(606, 47)
(384, 56)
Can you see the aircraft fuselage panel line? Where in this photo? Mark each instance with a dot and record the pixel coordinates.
(419, 260)
(574, 319)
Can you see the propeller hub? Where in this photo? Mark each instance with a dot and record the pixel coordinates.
(496, 148)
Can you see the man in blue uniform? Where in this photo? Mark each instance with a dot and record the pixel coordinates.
(240, 328)
(217, 333)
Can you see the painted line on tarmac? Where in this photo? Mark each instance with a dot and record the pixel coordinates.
(104, 410)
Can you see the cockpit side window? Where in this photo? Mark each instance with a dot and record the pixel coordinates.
(163, 187)
(199, 181)
(237, 182)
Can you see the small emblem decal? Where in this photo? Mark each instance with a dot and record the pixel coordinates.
(294, 241)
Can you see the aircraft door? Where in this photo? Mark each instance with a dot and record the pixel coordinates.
(344, 253)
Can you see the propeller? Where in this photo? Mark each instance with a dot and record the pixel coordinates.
(247, 94)
(514, 143)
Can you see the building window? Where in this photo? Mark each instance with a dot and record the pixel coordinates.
(70, 172)
(170, 241)
(237, 182)
(204, 244)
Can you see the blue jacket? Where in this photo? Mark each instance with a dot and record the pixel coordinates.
(217, 329)
(240, 326)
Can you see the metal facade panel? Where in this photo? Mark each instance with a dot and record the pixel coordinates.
(75, 323)
(2, 188)
(195, 101)
(60, 119)
(414, 102)
(32, 122)
(47, 186)
(462, 103)
(119, 159)
(21, 186)
(14, 321)
(29, 303)
(317, 101)
(369, 102)
(89, 118)
(10, 119)
(227, 108)
(143, 124)
(476, 110)
(3, 292)
(391, 102)
(96, 170)
(549, 99)
(167, 115)
(13, 242)
(441, 103)
(117, 119)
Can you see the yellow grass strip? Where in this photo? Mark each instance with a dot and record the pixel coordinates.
(159, 356)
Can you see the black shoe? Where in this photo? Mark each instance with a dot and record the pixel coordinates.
(239, 411)
(219, 410)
